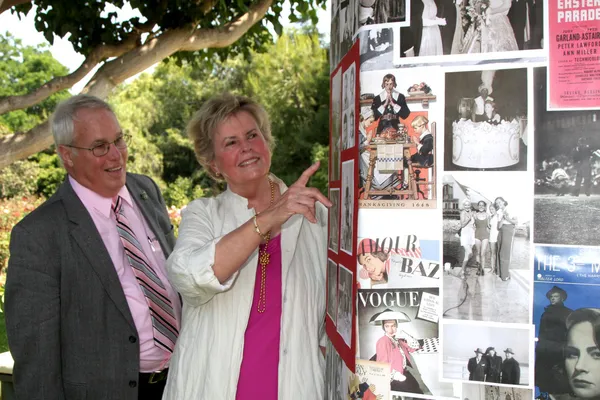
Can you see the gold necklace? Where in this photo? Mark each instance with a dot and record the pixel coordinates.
(263, 259)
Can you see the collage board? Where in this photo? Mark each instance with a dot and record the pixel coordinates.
(464, 172)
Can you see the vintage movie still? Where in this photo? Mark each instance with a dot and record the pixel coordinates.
(334, 220)
(332, 285)
(567, 172)
(494, 353)
(495, 392)
(399, 327)
(473, 28)
(377, 48)
(347, 231)
(487, 248)
(397, 136)
(566, 313)
(344, 309)
(335, 143)
(486, 120)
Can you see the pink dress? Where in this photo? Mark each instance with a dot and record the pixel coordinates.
(260, 362)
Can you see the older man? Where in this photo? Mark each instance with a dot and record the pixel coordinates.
(478, 366)
(90, 313)
(511, 371)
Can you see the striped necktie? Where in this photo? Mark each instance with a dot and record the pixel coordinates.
(164, 323)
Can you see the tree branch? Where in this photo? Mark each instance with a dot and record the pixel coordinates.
(230, 32)
(21, 145)
(57, 84)
(6, 4)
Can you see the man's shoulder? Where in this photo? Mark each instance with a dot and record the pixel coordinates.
(140, 179)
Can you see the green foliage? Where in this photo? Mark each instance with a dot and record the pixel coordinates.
(182, 191)
(22, 70)
(19, 179)
(291, 80)
(51, 174)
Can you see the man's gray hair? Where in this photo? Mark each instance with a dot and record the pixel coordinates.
(65, 115)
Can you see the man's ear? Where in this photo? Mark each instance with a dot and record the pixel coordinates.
(65, 154)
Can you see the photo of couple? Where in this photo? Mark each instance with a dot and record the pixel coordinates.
(472, 27)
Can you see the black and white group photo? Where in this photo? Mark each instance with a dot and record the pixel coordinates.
(336, 126)
(347, 222)
(334, 219)
(486, 120)
(567, 172)
(439, 27)
(332, 278)
(344, 310)
(487, 353)
(487, 246)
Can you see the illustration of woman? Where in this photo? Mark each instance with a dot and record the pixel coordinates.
(374, 260)
(482, 235)
(506, 227)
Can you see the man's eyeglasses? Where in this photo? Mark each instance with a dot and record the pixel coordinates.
(102, 149)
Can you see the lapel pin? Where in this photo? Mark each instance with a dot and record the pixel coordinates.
(144, 195)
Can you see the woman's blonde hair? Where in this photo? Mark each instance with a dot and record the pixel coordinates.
(202, 127)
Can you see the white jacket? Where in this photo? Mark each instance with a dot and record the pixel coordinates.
(208, 355)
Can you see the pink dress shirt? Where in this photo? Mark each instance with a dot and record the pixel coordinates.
(259, 373)
(152, 358)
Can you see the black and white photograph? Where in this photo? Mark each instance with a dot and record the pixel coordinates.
(486, 120)
(344, 309)
(494, 353)
(329, 370)
(472, 391)
(371, 12)
(439, 27)
(344, 24)
(336, 126)
(399, 327)
(347, 231)
(349, 84)
(567, 172)
(487, 247)
(334, 378)
(332, 279)
(334, 219)
(376, 49)
(348, 129)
